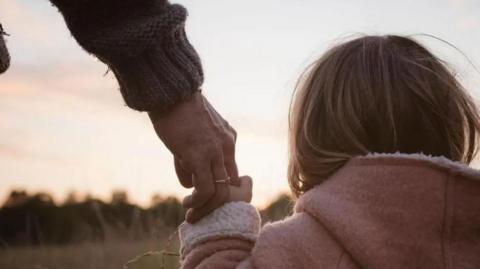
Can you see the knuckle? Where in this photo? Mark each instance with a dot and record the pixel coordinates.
(229, 146)
(224, 131)
(195, 160)
(229, 138)
(226, 136)
(226, 125)
(213, 150)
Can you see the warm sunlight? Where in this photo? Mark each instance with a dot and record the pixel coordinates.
(64, 127)
(85, 181)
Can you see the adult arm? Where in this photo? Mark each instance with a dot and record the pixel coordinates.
(144, 43)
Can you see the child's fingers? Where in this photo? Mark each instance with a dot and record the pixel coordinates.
(223, 193)
(243, 192)
(220, 197)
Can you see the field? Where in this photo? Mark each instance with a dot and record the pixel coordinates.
(37, 234)
(101, 255)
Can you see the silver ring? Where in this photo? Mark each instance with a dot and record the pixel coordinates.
(223, 181)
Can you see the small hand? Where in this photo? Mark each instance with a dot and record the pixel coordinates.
(224, 193)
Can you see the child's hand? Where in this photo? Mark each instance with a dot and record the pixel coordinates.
(241, 193)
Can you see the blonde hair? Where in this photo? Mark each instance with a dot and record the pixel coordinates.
(376, 94)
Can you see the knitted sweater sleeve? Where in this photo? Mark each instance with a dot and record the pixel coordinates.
(223, 239)
(143, 42)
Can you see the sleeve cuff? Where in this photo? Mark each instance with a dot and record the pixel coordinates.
(145, 45)
(233, 220)
(162, 76)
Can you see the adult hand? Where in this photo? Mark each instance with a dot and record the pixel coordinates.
(203, 145)
(242, 192)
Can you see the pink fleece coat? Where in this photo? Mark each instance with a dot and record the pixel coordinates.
(378, 211)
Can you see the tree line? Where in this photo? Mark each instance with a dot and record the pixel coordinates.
(35, 219)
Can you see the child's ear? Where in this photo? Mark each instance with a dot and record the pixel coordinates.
(243, 192)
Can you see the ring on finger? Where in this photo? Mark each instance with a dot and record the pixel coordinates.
(223, 181)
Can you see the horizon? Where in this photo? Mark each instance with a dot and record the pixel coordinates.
(76, 198)
(64, 126)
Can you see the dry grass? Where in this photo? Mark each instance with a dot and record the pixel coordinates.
(107, 255)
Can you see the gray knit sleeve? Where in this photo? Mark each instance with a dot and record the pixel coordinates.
(143, 42)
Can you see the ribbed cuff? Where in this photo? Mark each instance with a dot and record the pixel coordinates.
(143, 43)
(232, 220)
(161, 77)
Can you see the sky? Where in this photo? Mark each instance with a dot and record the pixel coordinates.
(64, 125)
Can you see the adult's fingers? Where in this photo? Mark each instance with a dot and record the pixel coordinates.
(231, 165)
(221, 191)
(229, 142)
(218, 168)
(220, 197)
(183, 175)
(204, 186)
(228, 138)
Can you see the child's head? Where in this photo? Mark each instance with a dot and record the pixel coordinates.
(377, 94)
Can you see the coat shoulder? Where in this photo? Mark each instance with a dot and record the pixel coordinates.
(299, 241)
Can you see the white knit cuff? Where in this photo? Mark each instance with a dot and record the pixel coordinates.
(235, 219)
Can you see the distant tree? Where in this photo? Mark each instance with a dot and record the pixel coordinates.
(16, 198)
(170, 211)
(43, 198)
(36, 220)
(119, 197)
(156, 199)
(72, 198)
(280, 208)
(89, 198)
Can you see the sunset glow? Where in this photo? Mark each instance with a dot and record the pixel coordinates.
(64, 126)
